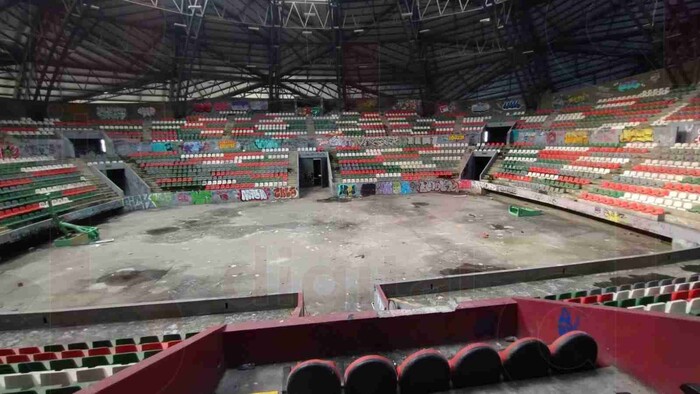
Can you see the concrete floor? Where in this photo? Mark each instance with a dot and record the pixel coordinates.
(335, 251)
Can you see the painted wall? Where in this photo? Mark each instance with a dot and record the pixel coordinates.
(176, 199)
(350, 190)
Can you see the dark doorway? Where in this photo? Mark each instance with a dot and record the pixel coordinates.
(475, 166)
(85, 146)
(495, 134)
(118, 177)
(313, 171)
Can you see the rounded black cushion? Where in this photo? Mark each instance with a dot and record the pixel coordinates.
(314, 377)
(475, 365)
(371, 375)
(574, 351)
(525, 358)
(425, 371)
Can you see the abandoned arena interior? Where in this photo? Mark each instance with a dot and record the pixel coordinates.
(349, 196)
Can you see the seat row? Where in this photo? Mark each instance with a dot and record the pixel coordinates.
(428, 370)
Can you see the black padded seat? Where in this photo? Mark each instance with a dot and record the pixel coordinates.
(475, 365)
(574, 351)
(314, 377)
(525, 358)
(371, 375)
(425, 371)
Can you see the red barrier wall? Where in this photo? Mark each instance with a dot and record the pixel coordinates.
(658, 349)
(191, 367)
(352, 333)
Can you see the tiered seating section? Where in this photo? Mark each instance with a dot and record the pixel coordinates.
(429, 371)
(620, 111)
(27, 128)
(281, 125)
(408, 163)
(214, 171)
(243, 126)
(562, 168)
(123, 130)
(531, 122)
(676, 296)
(474, 123)
(670, 184)
(401, 122)
(68, 368)
(166, 130)
(27, 183)
(325, 125)
(687, 113)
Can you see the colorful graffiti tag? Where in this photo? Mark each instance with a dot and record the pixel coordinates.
(267, 144)
(254, 195)
(9, 151)
(282, 193)
(637, 135)
(576, 138)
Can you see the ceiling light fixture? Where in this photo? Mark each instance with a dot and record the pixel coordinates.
(306, 32)
(179, 25)
(256, 28)
(485, 20)
(359, 30)
(423, 31)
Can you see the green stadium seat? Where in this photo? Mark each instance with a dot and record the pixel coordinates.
(94, 361)
(564, 296)
(148, 339)
(6, 369)
(125, 341)
(36, 366)
(662, 298)
(59, 365)
(644, 300)
(626, 303)
(54, 348)
(97, 344)
(125, 358)
(171, 337)
(78, 346)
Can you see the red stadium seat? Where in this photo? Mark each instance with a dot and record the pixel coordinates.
(680, 295)
(314, 377)
(476, 364)
(574, 351)
(525, 358)
(370, 375)
(424, 371)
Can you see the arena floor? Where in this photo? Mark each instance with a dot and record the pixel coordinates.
(333, 250)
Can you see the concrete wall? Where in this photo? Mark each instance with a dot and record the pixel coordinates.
(134, 184)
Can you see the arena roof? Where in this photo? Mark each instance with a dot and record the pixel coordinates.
(174, 50)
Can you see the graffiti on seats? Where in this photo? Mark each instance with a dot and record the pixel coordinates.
(282, 193)
(160, 200)
(368, 189)
(201, 197)
(227, 144)
(254, 195)
(346, 190)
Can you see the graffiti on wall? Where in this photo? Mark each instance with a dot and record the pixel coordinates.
(146, 112)
(254, 195)
(9, 151)
(267, 144)
(437, 185)
(480, 107)
(637, 135)
(628, 85)
(227, 145)
(283, 193)
(368, 189)
(396, 187)
(614, 216)
(139, 202)
(510, 105)
(579, 137)
(346, 190)
(196, 146)
(110, 113)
